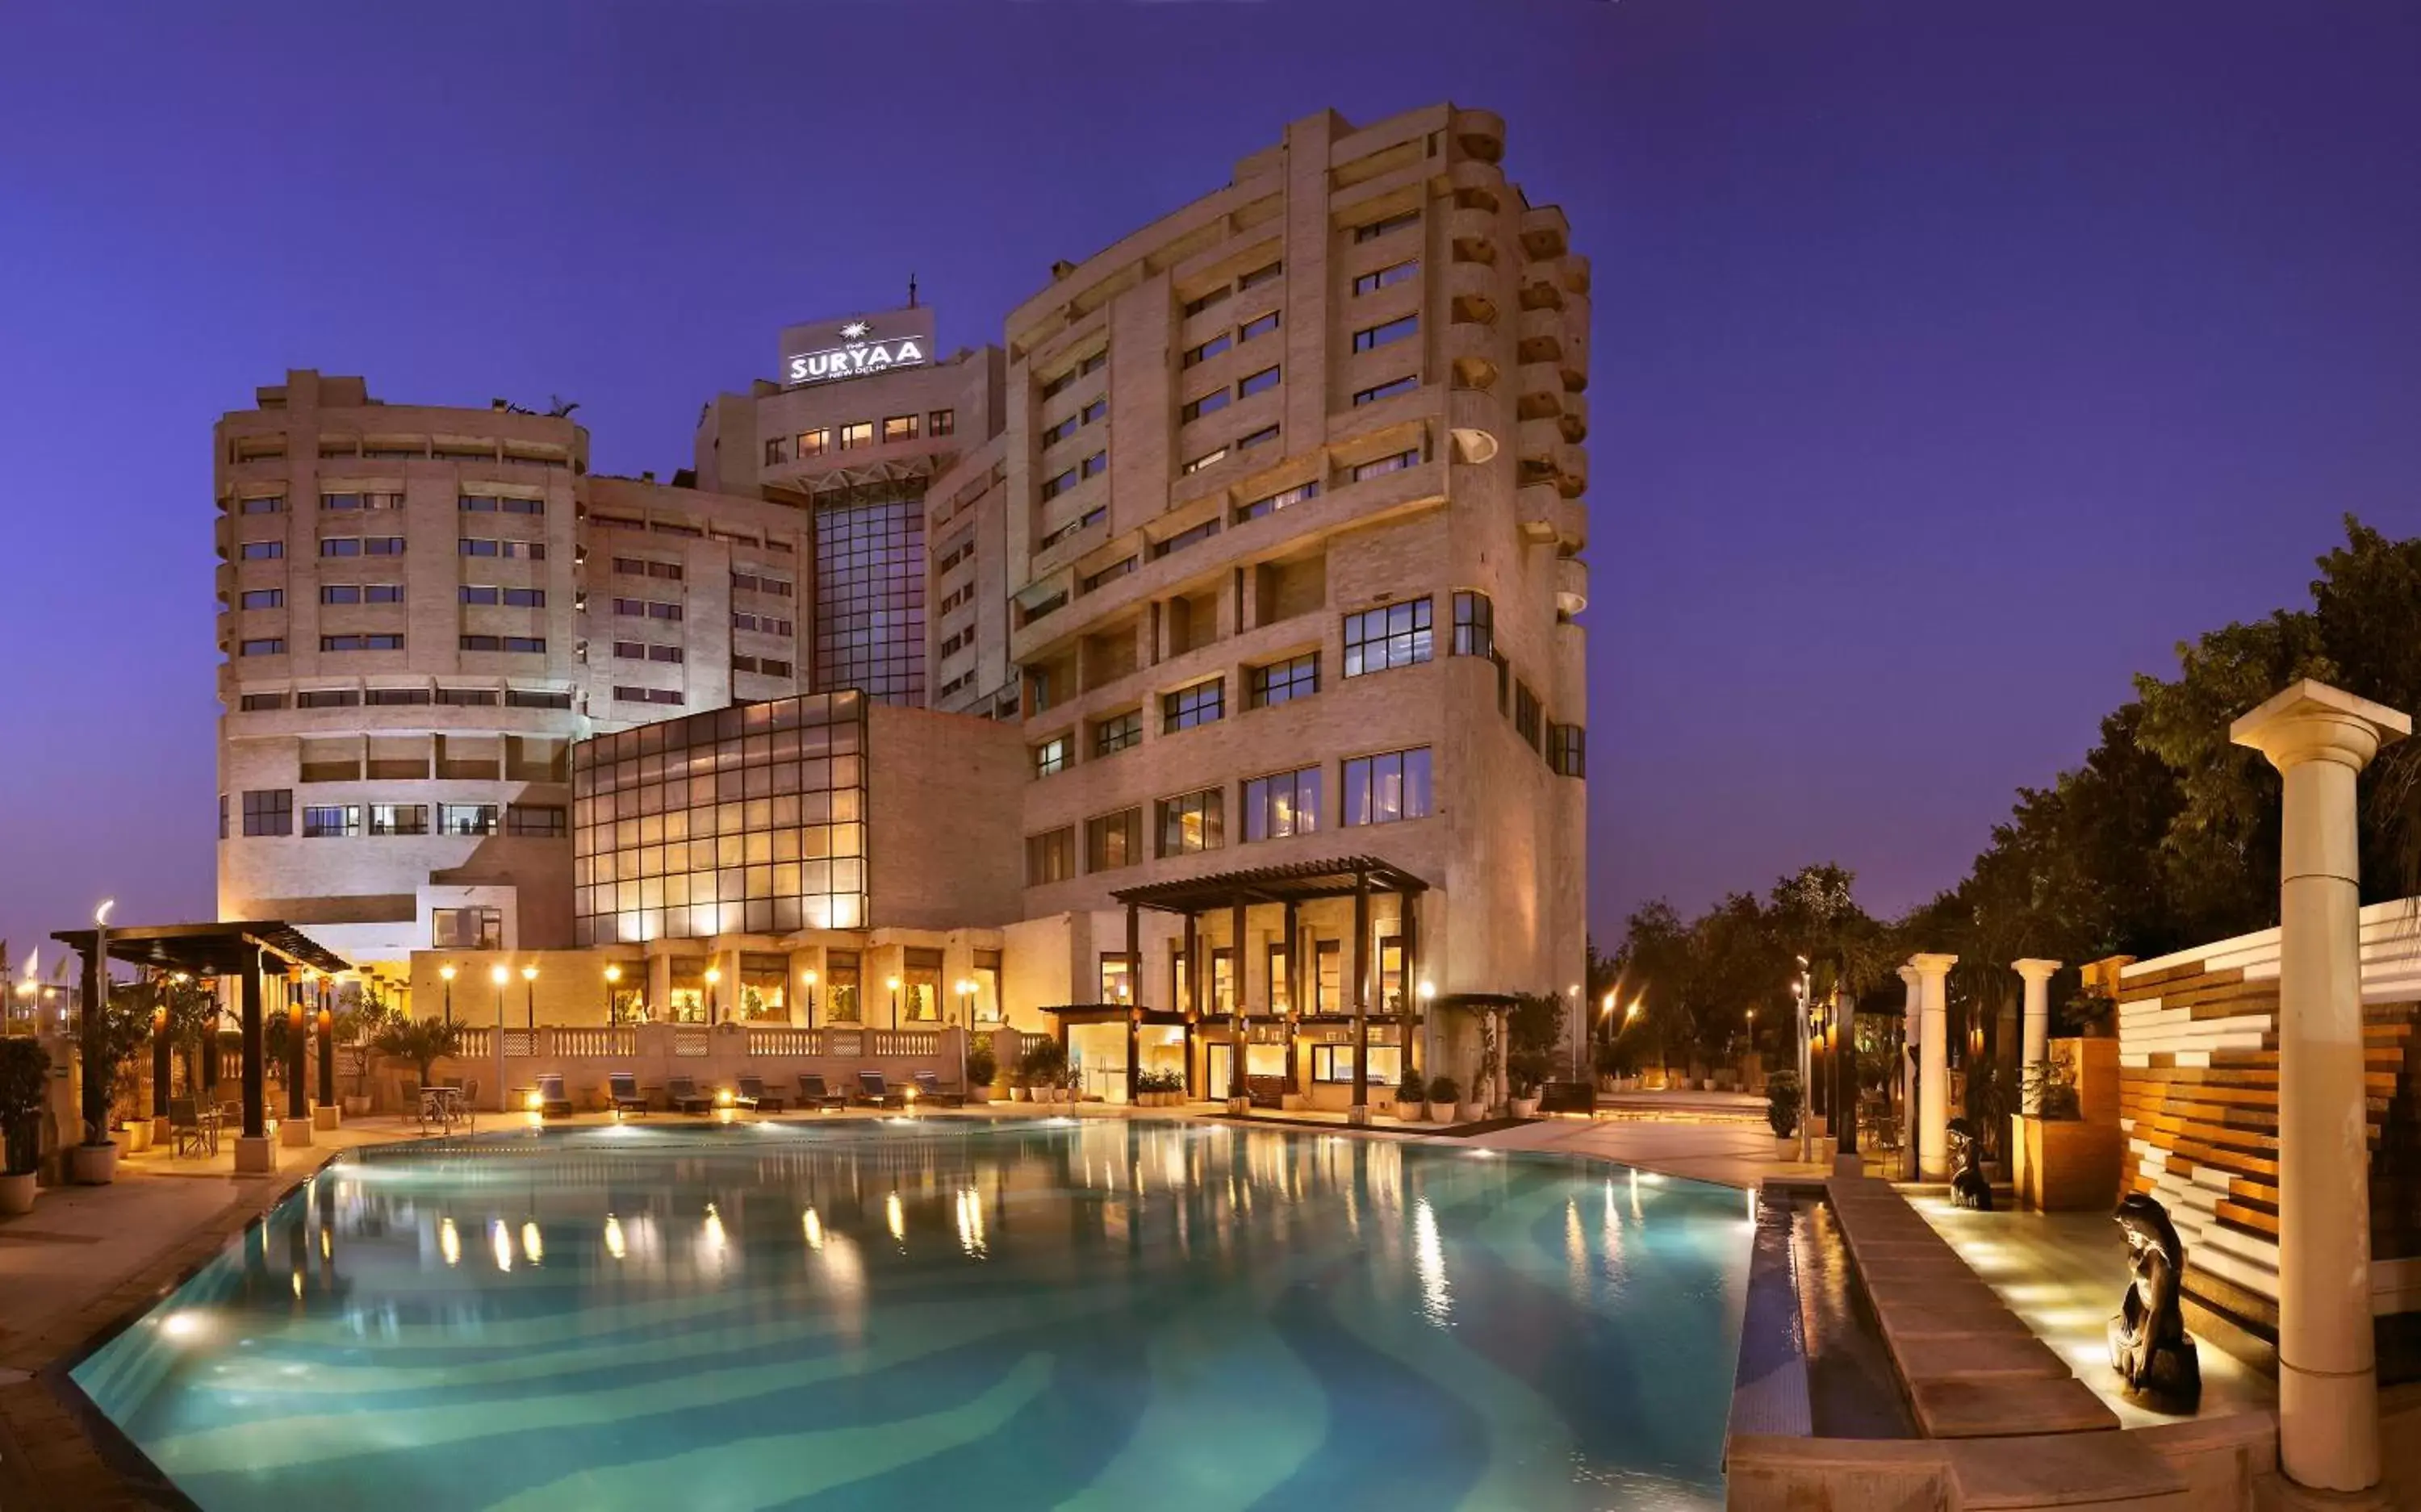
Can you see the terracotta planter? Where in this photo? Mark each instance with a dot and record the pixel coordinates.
(1470, 1113)
(17, 1193)
(93, 1165)
(978, 1096)
(136, 1137)
(1786, 1148)
(1411, 1113)
(1021, 1094)
(357, 1105)
(1526, 1107)
(1439, 1112)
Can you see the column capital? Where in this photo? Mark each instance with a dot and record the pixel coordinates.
(1933, 965)
(1908, 974)
(2036, 970)
(2310, 720)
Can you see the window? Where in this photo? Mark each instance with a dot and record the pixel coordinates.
(1388, 390)
(1388, 278)
(1117, 733)
(1052, 435)
(747, 580)
(535, 820)
(340, 593)
(815, 442)
(1261, 382)
(1260, 276)
(1258, 326)
(263, 645)
(268, 505)
(1093, 581)
(1474, 625)
(262, 551)
(957, 552)
(1183, 538)
(1217, 454)
(528, 551)
(396, 697)
(504, 643)
(1117, 978)
(1567, 749)
(1050, 857)
(331, 822)
(855, 434)
(1373, 337)
(531, 698)
(1202, 704)
(1335, 1063)
(1391, 635)
(264, 598)
(341, 501)
(1113, 840)
(1216, 296)
(468, 697)
(663, 609)
(776, 451)
(328, 698)
(1208, 349)
(1053, 755)
(762, 624)
(1281, 805)
(1381, 789)
(1377, 228)
(1192, 823)
(764, 666)
(1095, 465)
(269, 811)
(646, 695)
(489, 504)
(1276, 501)
(1526, 715)
(843, 974)
(1211, 403)
(254, 702)
(1053, 487)
(398, 819)
(1258, 438)
(1092, 363)
(466, 819)
(510, 598)
(942, 423)
(466, 928)
(361, 643)
(900, 427)
(1094, 410)
(1282, 682)
(1058, 385)
(1380, 466)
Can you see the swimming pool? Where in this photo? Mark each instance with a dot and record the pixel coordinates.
(1004, 1313)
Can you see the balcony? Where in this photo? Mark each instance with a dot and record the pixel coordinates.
(1571, 527)
(1462, 225)
(1485, 176)
(1470, 290)
(1480, 133)
(1472, 420)
(1541, 385)
(1535, 442)
(1571, 586)
(1471, 354)
(1571, 469)
(1541, 337)
(1574, 419)
(1535, 513)
(1545, 233)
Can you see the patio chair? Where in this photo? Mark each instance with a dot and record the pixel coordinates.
(753, 1095)
(192, 1137)
(624, 1088)
(813, 1094)
(873, 1092)
(682, 1095)
(552, 1101)
(929, 1089)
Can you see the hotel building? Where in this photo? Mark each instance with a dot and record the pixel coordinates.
(1257, 547)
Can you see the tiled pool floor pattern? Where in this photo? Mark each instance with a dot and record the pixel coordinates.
(1100, 1314)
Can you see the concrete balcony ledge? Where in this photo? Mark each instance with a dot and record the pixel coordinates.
(1534, 509)
(1472, 225)
(1474, 281)
(1571, 586)
(1479, 132)
(1474, 172)
(1546, 232)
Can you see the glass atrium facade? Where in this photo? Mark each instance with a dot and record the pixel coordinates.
(871, 594)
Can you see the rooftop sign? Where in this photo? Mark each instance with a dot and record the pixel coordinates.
(857, 346)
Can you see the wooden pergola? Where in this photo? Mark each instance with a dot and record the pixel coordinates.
(1288, 887)
(251, 951)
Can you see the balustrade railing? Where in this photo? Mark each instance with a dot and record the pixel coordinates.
(905, 1041)
(594, 1043)
(477, 1044)
(786, 1041)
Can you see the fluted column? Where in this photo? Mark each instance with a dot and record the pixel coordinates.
(1934, 1061)
(2319, 738)
(2037, 975)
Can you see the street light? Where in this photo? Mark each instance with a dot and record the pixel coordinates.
(498, 975)
(612, 1008)
(529, 977)
(810, 974)
(446, 972)
(892, 983)
(713, 974)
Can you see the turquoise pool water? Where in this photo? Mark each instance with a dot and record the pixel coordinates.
(1013, 1314)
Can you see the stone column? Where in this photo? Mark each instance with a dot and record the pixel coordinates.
(1912, 1036)
(2319, 737)
(1934, 1062)
(2037, 975)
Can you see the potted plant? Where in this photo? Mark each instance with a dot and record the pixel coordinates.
(124, 1025)
(359, 1025)
(1412, 1095)
(982, 1066)
(1526, 1094)
(424, 1042)
(25, 1076)
(1782, 1099)
(1443, 1093)
(1040, 1068)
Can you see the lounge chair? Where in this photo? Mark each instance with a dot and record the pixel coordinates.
(753, 1095)
(682, 1095)
(552, 1101)
(813, 1094)
(624, 1088)
(929, 1089)
(873, 1092)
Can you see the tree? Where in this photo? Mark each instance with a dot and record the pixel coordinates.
(424, 1042)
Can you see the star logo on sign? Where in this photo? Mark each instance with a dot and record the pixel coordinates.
(854, 331)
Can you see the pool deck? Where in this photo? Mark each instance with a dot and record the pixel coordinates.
(87, 1258)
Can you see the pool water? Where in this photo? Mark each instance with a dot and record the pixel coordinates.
(1011, 1313)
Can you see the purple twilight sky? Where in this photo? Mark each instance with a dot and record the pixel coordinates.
(1951, 361)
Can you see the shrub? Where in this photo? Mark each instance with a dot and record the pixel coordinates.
(422, 1041)
(1044, 1062)
(1782, 1099)
(1446, 1089)
(1411, 1089)
(1159, 1081)
(24, 1071)
(2049, 1088)
(983, 1067)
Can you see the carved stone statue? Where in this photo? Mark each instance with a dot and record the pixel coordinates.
(2150, 1347)
(1968, 1187)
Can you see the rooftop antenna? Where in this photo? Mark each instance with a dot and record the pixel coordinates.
(911, 290)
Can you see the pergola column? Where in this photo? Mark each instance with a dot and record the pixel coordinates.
(1933, 1060)
(1239, 1095)
(1912, 1035)
(93, 1102)
(296, 1127)
(1134, 991)
(253, 1151)
(1294, 989)
(1360, 1112)
(2037, 976)
(1408, 933)
(2319, 738)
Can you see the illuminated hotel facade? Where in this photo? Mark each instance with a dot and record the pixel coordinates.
(1239, 584)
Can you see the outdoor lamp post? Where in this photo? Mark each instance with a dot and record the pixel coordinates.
(529, 979)
(966, 1027)
(499, 975)
(892, 983)
(613, 1009)
(810, 974)
(713, 974)
(446, 972)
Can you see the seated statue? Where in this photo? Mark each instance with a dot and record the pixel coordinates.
(2150, 1347)
(1968, 1187)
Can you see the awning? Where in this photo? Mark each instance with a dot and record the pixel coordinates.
(211, 949)
(1298, 881)
(1112, 1013)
